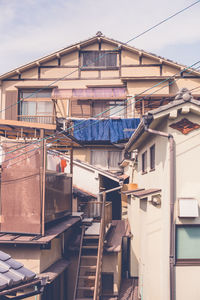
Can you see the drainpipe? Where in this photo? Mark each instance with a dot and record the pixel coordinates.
(172, 202)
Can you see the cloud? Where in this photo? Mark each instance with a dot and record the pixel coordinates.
(30, 29)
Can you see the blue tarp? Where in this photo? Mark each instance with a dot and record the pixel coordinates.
(110, 130)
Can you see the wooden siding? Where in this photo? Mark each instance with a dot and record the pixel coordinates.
(11, 105)
(80, 109)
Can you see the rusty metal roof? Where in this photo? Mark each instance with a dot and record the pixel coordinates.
(143, 193)
(51, 233)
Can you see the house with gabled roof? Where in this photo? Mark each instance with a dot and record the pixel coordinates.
(164, 208)
(95, 90)
(96, 78)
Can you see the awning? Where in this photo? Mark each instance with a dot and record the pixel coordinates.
(55, 270)
(102, 93)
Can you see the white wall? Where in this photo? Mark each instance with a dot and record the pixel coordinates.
(84, 177)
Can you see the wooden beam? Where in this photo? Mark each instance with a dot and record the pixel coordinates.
(27, 124)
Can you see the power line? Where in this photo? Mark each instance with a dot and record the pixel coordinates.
(163, 21)
(46, 138)
(61, 78)
(36, 142)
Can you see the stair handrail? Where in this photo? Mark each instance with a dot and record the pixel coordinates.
(79, 261)
(100, 251)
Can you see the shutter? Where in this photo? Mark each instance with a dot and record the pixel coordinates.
(80, 109)
(11, 106)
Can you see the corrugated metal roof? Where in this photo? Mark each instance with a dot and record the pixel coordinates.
(13, 272)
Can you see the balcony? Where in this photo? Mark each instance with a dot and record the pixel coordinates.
(38, 119)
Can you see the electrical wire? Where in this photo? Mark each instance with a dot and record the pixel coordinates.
(105, 111)
(163, 21)
(79, 68)
(81, 128)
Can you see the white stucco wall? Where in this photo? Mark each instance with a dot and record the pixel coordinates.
(150, 225)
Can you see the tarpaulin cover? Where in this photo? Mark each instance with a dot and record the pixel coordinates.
(112, 130)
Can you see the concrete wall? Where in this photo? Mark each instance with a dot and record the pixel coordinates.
(150, 224)
(112, 264)
(84, 177)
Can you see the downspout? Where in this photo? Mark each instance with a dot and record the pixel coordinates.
(172, 202)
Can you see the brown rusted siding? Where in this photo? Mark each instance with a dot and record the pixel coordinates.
(20, 190)
(80, 108)
(11, 105)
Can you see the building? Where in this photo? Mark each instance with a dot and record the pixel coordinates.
(94, 92)
(99, 78)
(163, 210)
(36, 222)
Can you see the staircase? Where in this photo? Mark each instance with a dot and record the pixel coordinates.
(87, 267)
(88, 280)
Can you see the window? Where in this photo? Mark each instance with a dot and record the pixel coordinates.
(152, 157)
(36, 106)
(106, 159)
(111, 109)
(144, 162)
(188, 244)
(99, 59)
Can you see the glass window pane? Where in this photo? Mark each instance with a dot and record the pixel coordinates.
(188, 242)
(31, 108)
(24, 108)
(99, 158)
(114, 159)
(35, 94)
(44, 108)
(117, 109)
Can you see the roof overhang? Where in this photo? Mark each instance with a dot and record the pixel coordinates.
(157, 116)
(76, 47)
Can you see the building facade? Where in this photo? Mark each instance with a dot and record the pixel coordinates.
(164, 209)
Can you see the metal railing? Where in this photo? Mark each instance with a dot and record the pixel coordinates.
(37, 119)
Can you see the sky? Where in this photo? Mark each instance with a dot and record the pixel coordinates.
(30, 29)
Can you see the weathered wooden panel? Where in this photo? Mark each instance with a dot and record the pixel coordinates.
(11, 105)
(80, 108)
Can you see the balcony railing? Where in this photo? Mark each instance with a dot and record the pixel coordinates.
(37, 119)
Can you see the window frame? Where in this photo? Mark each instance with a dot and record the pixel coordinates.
(152, 160)
(97, 67)
(107, 105)
(185, 261)
(36, 97)
(144, 162)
